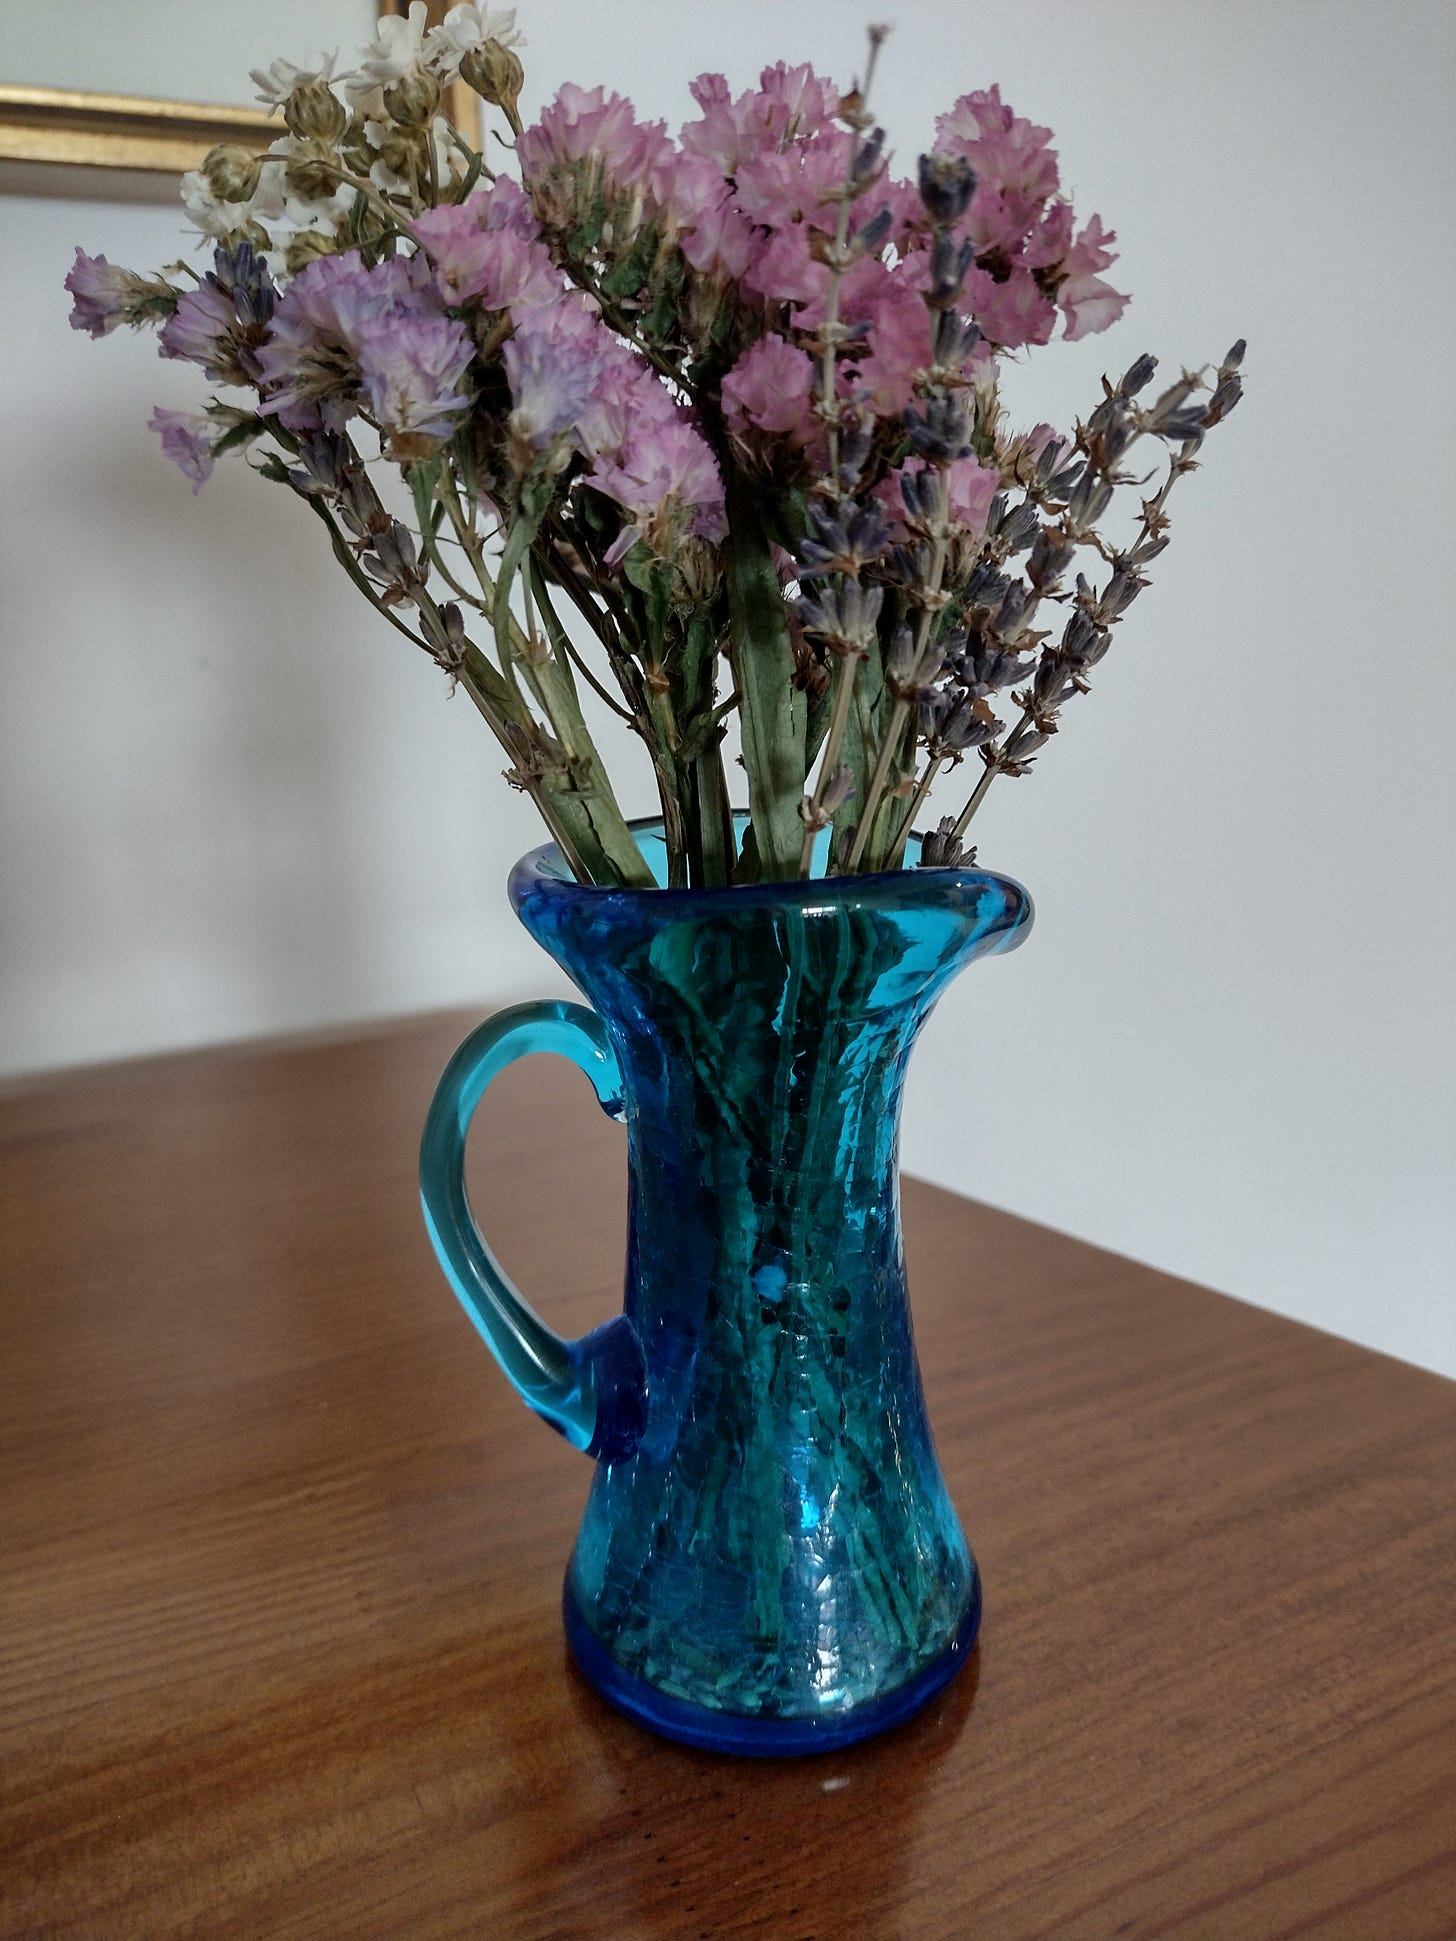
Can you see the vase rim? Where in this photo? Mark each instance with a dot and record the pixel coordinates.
(544, 871)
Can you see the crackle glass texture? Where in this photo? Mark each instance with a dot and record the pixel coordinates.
(774, 1564)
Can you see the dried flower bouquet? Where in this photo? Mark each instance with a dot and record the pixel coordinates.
(724, 409)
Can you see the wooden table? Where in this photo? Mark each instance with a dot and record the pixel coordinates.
(279, 1643)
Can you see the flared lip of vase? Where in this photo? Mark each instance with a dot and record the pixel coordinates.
(544, 872)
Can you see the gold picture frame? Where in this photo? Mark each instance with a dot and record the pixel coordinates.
(153, 141)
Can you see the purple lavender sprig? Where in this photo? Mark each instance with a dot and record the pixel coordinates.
(1077, 496)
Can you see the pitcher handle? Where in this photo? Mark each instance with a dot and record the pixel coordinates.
(593, 1390)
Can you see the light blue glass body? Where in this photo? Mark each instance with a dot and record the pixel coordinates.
(769, 1560)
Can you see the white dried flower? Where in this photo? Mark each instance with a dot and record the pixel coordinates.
(395, 49)
(223, 220)
(383, 137)
(466, 28)
(276, 82)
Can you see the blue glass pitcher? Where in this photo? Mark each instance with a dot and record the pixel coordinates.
(769, 1561)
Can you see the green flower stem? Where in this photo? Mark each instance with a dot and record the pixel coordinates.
(773, 712)
(474, 547)
(889, 747)
(884, 761)
(585, 784)
(845, 672)
(963, 820)
(563, 646)
(917, 802)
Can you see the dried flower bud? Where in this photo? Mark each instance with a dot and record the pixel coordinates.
(304, 248)
(951, 724)
(314, 112)
(1050, 557)
(871, 238)
(444, 628)
(955, 339)
(1170, 402)
(844, 615)
(910, 670)
(1235, 356)
(1089, 500)
(1226, 396)
(414, 99)
(868, 162)
(392, 562)
(1017, 751)
(832, 796)
(946, 185)
(1118, 595)
(986, 667)
(941, 431)
(1179, 427)
(949, 261)
(313, 170)
(845, 539)
(232, 173)
(1013, 528)
(496, 75)
(942, 851)
(1078, 637)
(398, 150)
(1138, 375)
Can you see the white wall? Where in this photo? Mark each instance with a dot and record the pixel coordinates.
(230, 802)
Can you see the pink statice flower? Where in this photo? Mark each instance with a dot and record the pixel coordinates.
(790, 104)
(695, 209)
(627, 397)
(584, 142)
(412, 369)
(782, 268)
(721, 245)
(1013, 158)
(187, 440)
(771, 389)
(665, 478)
(797, 184)
(898, 341)
(309, 366)
(1028, 265)
(1013, 311)
(105, 296)
(1087, 302)
(488, 249)
(554, 361)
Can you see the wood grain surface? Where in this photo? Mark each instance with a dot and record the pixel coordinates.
(279, 1642)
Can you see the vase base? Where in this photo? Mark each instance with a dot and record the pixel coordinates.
(771, 1737)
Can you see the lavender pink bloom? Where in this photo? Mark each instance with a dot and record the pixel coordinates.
(591, 127)
(488, 248)
(201, 330)
(571, 379)
(104, 295)
(1028, 265)
(554, 361)
(187, 440)
(310, 362)
(664, 476)
(695, 207)
(771, 389)
(412, 368)
(789, 104)
(1013, 158)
